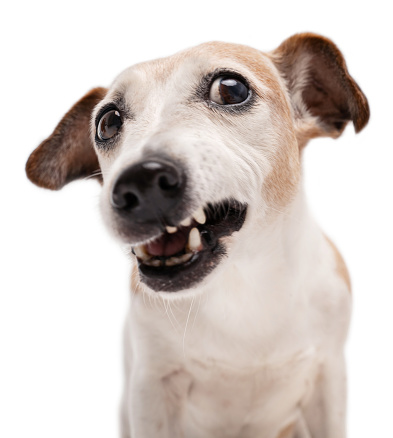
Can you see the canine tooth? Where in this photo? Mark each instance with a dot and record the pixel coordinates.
(171, 230)
(140, 252)
(199, 216)
(194, 239)
(186, 222)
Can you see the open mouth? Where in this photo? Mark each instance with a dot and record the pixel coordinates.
(184, 254)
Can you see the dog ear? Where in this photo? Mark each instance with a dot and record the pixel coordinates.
(323, 94)
(68, 153)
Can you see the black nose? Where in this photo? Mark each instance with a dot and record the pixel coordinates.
(149, 190)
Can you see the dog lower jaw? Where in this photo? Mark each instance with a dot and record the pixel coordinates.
(183, 276)
(202, 251)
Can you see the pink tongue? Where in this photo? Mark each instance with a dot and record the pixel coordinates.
(168, 244)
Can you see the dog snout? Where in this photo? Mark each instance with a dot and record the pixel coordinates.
(149, 191)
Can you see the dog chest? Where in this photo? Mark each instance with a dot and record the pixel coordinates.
(222, 401)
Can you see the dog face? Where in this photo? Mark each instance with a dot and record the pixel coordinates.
(194, 146)
(194, 138)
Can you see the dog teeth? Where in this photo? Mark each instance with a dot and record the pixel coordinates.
(141, 253)
(194, 244)
(173, 261)
(185, 257)
(153, 262)
(199, 216)
(194, 240)
(186, 222)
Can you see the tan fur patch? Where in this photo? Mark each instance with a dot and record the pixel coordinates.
(306, 131)
(341, 267)
(287, 432)
(281, 183)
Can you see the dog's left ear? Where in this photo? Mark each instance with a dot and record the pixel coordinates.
(323, 94)
(68, 153)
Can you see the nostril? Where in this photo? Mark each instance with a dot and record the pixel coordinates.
(147, 188)
(130, 201)
(168, 182)
(124, 199)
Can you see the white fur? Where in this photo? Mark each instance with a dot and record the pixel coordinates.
(258, 344)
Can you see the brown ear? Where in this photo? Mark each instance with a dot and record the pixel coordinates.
(68, 153)
(324, 95)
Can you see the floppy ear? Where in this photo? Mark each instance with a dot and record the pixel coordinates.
(323, 94)
(68, 153)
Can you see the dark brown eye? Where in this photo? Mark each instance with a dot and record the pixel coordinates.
(109, 125)
(228, 91)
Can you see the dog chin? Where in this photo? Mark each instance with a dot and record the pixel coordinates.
(180, 257)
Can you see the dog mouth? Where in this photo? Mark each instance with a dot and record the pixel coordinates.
(181, 256)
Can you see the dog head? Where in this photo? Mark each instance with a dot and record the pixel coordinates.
(191, 147)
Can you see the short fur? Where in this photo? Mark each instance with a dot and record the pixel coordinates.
(256, 348)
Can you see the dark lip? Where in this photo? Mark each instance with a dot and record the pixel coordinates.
(223, 219)
(185, 276)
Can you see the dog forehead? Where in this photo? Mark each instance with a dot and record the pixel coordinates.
(203, 59)
(247, 57)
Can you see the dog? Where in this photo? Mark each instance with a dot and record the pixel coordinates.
(240, 304)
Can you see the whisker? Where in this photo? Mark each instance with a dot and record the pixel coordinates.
(185, 329)
(144, 297)
(167, 313)
(196, 313)
(94, 174)
(174, 317)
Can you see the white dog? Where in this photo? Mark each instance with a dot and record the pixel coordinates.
(240, 303)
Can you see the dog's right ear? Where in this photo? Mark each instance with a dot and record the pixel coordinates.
(68, 153)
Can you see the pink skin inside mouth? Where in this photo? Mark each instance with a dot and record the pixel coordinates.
(168, 245)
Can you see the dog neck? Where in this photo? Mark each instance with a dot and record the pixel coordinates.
(259, 288)
(270, 251)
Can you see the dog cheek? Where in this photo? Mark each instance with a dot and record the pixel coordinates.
(220, 175)
(282, 182)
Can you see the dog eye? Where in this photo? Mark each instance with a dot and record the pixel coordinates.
(228, 91)
(109, 125)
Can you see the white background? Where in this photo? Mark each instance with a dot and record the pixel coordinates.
(64, 282)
